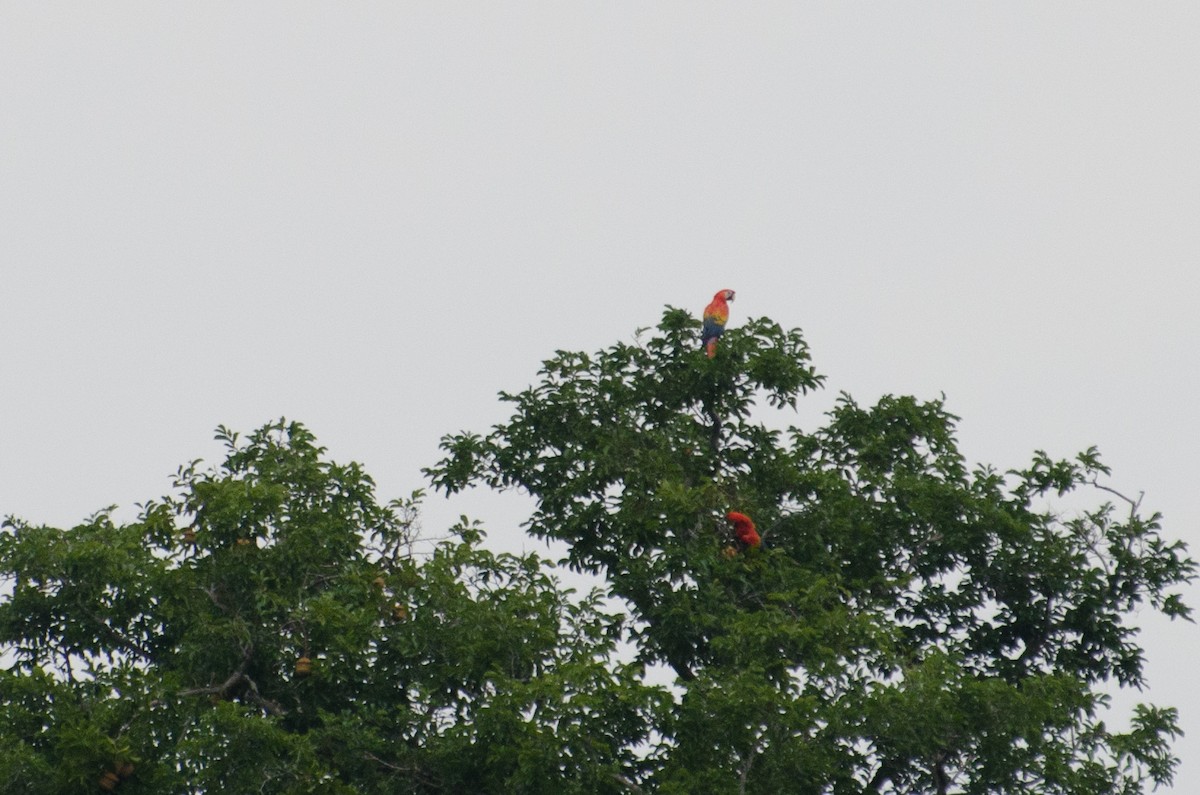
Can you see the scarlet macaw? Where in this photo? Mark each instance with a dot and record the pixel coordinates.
(743, 529)
(716, 314)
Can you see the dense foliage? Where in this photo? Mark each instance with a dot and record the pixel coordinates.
(268, 630)
(909, 624)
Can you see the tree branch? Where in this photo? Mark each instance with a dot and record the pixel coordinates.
(238, 677)
(122, 641)
(411, 770)
(267, 704)
(218, 690)
(1133, 504)
(628, 784)
(714, 438)
(940, 779)
(744, 774)
(882, 776)
(682, 670)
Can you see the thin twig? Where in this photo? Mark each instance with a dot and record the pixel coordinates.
(1133, 504)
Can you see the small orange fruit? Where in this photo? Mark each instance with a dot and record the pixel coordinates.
(109, 781)
(303, 666)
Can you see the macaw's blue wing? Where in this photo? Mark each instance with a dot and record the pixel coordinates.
(713, 328)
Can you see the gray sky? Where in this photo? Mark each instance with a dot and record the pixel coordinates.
(371, 217)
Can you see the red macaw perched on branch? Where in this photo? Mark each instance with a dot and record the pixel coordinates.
(743, 529)
(716, 315)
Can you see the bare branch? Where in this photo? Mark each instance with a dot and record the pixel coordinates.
(221, 689)
(1133, 504)
(238, 677)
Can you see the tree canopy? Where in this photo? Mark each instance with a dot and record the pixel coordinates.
(910, 623)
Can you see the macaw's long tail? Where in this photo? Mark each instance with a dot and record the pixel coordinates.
(711, 347)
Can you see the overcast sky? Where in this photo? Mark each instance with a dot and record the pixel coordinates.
(371, 217)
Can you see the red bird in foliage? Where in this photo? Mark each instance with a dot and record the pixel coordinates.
(743, 529)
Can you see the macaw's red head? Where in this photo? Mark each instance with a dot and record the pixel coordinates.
(723, 295)
(739, 519)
